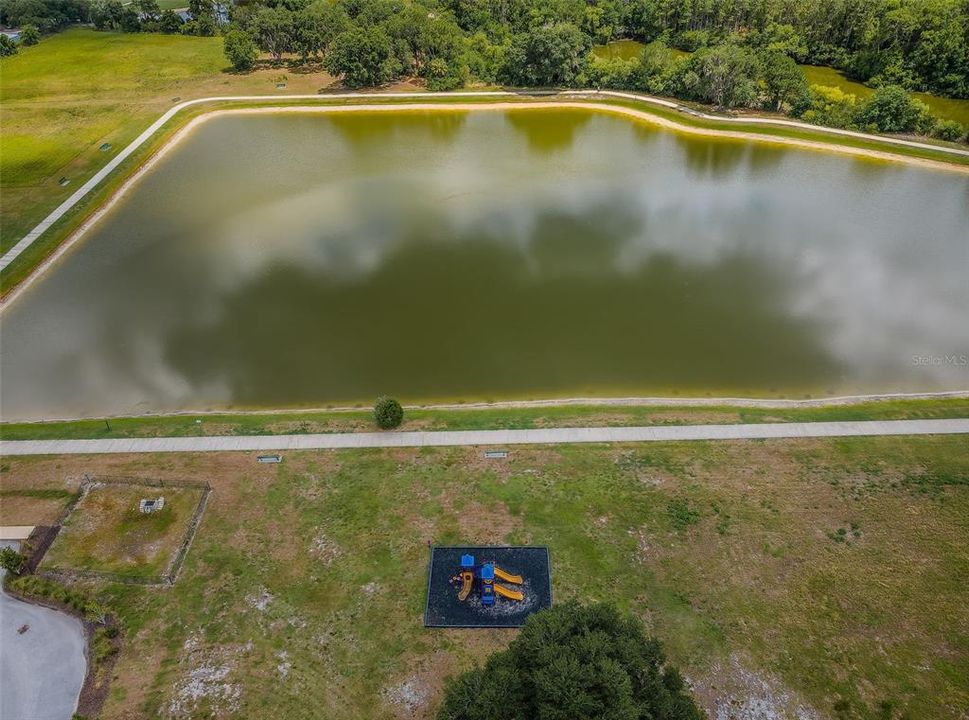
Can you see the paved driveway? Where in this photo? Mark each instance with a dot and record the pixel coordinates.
(41, 670)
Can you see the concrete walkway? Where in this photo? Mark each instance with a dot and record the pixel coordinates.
(150, 131)
(662, 433)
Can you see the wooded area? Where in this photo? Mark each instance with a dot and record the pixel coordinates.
(733, 53)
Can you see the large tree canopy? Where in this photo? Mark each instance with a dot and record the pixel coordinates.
(574, 662)
(549, 55)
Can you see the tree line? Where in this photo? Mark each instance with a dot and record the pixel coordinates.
(728, 53)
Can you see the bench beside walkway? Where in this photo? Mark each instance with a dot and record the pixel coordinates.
(549, 436)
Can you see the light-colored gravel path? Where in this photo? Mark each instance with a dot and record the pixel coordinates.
(665, 433)
(43, 668)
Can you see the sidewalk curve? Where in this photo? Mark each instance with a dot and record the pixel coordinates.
(332, 441)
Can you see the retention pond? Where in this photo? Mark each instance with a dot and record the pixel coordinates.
(309, 259)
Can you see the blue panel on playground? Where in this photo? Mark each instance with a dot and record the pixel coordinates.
(506, 585)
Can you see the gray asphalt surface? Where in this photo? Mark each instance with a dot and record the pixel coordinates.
(41, 670)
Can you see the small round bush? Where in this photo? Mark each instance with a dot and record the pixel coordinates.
(29, 35)
(387, 412)
(948, 130)
(11, 560)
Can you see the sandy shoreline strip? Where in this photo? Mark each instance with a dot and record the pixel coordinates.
(587, 402)
(636, 114)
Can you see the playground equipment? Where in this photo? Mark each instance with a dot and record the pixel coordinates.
(484, 577)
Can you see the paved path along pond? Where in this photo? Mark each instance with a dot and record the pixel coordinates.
(331, 441)
(41, 669)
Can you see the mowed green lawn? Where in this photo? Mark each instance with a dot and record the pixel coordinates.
(831, 573)
(76, 90)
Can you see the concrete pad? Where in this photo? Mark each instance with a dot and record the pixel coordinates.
(41, 670)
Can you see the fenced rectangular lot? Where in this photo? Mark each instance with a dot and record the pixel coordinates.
(107, 535)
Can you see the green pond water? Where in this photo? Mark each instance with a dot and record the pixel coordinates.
(293, 260)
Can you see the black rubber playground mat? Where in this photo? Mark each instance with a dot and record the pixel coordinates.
(530, 565)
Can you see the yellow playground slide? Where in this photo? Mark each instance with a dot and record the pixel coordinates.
(467, 582)
(508, 593)
(502, 575)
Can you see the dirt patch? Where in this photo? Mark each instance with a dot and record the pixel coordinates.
(732, 691)
(417, 695)
(206, 678)
(478, 524)
(260, 600)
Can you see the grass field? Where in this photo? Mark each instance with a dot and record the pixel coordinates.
(76, 90)
(496, 418)
(825, 573)
(106, 532)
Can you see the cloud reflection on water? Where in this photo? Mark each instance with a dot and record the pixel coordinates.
(304, 260)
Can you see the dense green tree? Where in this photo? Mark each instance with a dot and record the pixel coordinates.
(274, 31)
(240, 49)
(387, 413)
(948, 130)
(420, 37)
(169, 22)
(553, 55)
(150, 12)
(658, 69)
(360, 56)
(29, 35)
(892, 109)
(723, 75)
(113, 15)
(7, 46)
(315, 27)
(46, 15)
(615, 73)
(780, 38)
(830, 106)
(11, 560)
(784, 82)
(203, 22)
(483, 57)
(601, 21)
(574, 662)
(692, 40)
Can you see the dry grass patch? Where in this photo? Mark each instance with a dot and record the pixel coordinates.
(33, 507)
(724, 549)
